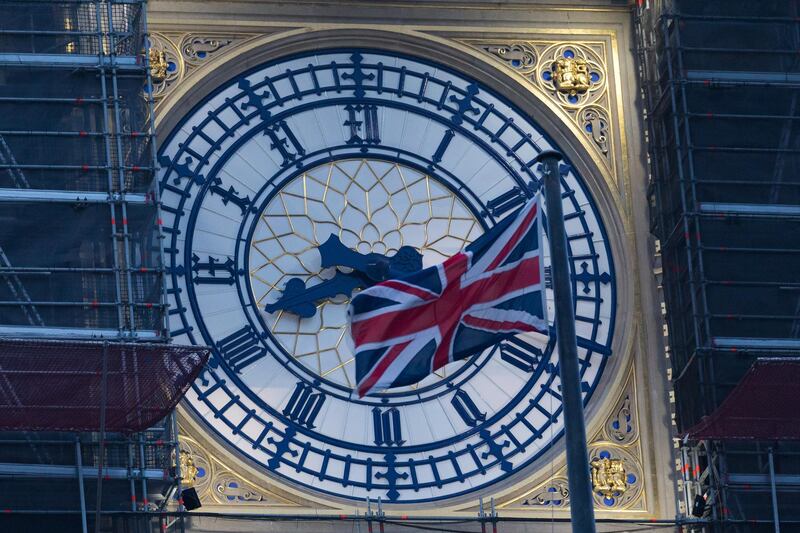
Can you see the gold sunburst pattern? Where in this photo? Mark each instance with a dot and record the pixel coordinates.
(372, 206)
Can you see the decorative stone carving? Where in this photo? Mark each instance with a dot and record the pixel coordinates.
(197, 49)
(616, 476)
(216, 483)
(520, 56)
(231, 489)
(554, 493)
(166, 65)
(573, 73)
(196, 467)
(622, 426)
(158, 65)
(188, 469)
(171, 63)
(608, 476)
(595, 123)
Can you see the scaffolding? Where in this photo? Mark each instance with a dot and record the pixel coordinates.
(721, 82)
(80, 249)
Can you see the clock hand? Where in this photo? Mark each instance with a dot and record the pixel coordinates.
(298, 299)
(377, 267)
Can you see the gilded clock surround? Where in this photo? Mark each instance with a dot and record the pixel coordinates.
(601, 147)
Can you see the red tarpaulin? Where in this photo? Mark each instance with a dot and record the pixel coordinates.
(763, 406)
(58, 385)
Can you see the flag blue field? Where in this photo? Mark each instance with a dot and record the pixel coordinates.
(404, 329)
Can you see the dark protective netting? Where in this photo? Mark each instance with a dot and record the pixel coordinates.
(59, 385)
(763, 406)
(61, 274)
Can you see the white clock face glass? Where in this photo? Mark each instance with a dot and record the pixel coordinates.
(310, 158)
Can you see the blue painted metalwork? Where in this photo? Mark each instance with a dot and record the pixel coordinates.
(288, 445)
(369, 269)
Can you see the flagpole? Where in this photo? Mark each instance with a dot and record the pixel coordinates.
(581, 505)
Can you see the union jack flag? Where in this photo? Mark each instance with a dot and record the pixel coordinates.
(404, 329)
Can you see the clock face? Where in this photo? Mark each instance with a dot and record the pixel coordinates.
(378, 154)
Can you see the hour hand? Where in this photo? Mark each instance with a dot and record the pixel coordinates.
(376, 267)
(298, 299)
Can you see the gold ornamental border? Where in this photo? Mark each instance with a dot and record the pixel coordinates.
(612, 191)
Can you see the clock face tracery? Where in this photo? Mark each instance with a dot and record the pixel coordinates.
(372, 206)
(377, 154)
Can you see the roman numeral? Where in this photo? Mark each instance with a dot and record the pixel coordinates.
(586, 278)
(358, 76)
(230, 195)
(520, 354)
(387, 427)
(241, 349)
(464, 105)
(304, 405)
(182, 170)
(219, 272)
(284, 141)
(369, 123)
(442, 148)
(510, 199)
(467, 409)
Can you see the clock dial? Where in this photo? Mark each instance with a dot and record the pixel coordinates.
(371, 206)
(393, 163)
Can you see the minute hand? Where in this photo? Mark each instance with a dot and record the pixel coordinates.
(377, 267)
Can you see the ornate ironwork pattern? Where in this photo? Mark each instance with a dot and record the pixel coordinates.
(247, 154)
(372, 206)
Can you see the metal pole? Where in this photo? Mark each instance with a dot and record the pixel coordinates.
(79, 464)
(580, 488)
(774, 493)
(173, 421)
(102, 446)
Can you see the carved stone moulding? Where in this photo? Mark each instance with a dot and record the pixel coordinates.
(166, 65)
(574, 73)
(197, 49)
(216, 483)
(622, 427)
(174, 56)
(553, 494)
(595, 124)
(616, 476)
(519, 55)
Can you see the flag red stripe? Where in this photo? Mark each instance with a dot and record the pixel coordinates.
(514, 240)
(410, 289)
(496, 325)
(526, 274)
(380, 368)
(397, 323)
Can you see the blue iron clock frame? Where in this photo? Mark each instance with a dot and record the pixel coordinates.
(274, 135)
